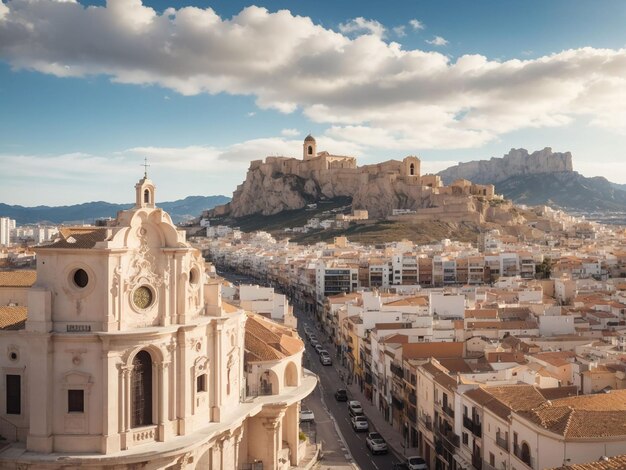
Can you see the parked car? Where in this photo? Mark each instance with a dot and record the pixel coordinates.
(416, 463)
(359, 423)
(319, 347)
(325, 359)
(355, 408)
(315, 344)
(376, 444)
(312, 338)
(306, 415)
(341, 395)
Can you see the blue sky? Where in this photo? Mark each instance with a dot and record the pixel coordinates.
(87, 93)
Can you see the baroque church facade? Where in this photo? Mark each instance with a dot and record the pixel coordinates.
(128, 358)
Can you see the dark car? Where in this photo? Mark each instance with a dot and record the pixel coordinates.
(341, 395)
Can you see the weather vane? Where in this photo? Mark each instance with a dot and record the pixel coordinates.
(145, 167)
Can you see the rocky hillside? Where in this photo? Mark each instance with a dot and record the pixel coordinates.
(543, 177)
(518, 162)
(567, 190)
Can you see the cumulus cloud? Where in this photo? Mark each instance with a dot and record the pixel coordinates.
(364, 88)
(437, 41)
(361, 25)
(416, 24)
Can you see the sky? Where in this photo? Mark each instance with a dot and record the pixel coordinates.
(88, 89)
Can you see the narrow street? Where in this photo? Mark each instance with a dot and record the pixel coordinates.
(341, 445)
(330, 381)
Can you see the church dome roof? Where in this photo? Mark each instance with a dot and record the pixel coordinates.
(309, 138)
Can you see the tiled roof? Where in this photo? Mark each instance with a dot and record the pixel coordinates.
(613, 463)
(19, 278)
(555, 358)
(436, 350)
(586, 416)
(79, 237)
(269, 341)
(13, 318)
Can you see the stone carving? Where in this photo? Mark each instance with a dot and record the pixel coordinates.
(142, 269)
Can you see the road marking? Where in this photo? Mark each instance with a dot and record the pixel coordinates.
(374, 464)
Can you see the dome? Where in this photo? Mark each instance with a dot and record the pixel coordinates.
(309, 138)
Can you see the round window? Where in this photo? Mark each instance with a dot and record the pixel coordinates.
(143, 297)
(81, 279)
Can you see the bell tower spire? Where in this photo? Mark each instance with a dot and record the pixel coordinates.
(144, 189)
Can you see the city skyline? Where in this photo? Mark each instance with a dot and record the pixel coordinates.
(89, 90)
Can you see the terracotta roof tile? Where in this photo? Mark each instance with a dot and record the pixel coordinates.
(13, 318)
(269, 341)
(586, 416)
(613, 463)
(20, 278)
(78, 237)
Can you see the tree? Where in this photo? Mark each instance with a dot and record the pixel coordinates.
(544, 269)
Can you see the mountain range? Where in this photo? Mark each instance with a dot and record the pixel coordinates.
(542, 178)
(180, 210)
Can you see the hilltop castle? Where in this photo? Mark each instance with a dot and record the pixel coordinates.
(284, 183)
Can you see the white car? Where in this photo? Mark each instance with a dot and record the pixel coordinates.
(416, 463)
(355, 408)
(306, 415)
(359, 423)
(325, 359)
(376, 444)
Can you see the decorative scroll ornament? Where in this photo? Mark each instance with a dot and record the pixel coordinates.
(141, 269)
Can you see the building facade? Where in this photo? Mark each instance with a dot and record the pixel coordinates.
(130, 359)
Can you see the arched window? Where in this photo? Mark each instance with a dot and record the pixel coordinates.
(309, 150)
(412, 169)
(146, 196)
(141, 390)
(525, 454)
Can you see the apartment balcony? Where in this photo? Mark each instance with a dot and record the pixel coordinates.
(412, 415)
(413, 399)
(523, 454)
(447, 410)
(397, 370)
(451, 441)
(427, 421)
(397, 402)
(502, 441)
(473, 426)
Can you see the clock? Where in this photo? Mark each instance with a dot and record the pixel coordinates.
(143, 297)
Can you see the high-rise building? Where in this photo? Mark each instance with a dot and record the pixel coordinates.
(6, 225)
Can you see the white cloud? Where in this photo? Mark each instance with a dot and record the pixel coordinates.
(369, 91)
(416, 24)
(361, 25)
(290, 132)
(400, 31)
(437, 41)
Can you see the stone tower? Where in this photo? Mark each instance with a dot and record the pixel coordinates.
(309, 148)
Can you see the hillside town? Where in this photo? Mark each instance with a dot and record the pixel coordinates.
(497, 355)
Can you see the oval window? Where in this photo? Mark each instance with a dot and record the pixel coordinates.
(81, 279)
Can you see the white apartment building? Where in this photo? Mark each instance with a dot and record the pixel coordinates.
(6, 225)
